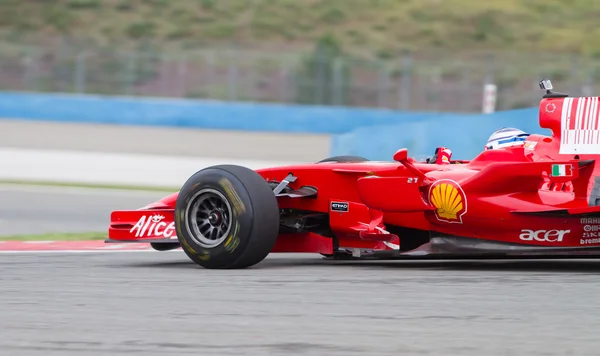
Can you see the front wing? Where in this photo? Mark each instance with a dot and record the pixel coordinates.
(155, 225)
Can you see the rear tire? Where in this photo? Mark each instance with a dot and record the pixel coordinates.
(226, 217)
(344, 159)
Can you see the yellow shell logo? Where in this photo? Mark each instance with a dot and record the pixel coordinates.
(449, 200)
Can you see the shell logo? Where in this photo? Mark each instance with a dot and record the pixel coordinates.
(449, 200)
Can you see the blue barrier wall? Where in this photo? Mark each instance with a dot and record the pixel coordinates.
(465, 135)
(373, 133)
(196, 113)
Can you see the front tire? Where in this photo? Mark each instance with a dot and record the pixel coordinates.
(226, 217)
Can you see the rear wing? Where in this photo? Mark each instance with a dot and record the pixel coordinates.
(575, 121)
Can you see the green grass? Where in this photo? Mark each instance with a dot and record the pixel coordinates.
(91, 186)
(58, 237)
(73, 236)
(370, 27)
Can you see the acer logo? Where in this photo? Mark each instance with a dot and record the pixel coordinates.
(543, 235)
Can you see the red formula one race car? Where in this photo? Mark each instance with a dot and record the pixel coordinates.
(536, 197)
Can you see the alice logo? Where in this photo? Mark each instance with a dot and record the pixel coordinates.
(449, 200)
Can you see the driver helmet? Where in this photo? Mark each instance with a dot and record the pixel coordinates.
(506, 137)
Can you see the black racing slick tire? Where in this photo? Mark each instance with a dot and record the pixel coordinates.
(226, 217)
(344, 159)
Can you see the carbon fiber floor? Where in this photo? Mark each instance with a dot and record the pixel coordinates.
(160, 304)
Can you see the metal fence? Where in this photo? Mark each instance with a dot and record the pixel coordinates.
(423, 81)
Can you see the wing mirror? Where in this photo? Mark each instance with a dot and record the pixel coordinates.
(401, 155)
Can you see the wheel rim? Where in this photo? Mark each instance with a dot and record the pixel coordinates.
(208, 217)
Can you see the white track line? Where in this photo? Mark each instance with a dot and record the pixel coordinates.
(77, 251)
(110, 168)
(33, 188)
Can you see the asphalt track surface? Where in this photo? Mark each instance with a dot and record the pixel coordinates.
(41, 210)
(159, 303)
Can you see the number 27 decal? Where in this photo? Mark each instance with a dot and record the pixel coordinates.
(413, 180)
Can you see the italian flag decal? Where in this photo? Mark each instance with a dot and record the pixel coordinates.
(562, 170)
